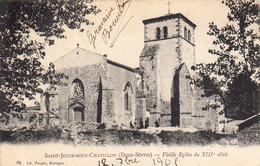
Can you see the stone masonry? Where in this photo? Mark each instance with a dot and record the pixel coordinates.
(159, 92)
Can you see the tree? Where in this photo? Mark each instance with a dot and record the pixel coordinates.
(233, 74)
(21, 70)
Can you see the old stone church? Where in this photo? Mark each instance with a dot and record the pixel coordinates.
(158, 92)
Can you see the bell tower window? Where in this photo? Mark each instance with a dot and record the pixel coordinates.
(185, 33)
(189, 36)
(158, 33)
(165, 32)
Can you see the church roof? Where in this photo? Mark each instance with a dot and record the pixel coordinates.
(80, 56)
(168, 17)
(122, 66)
(250, 118)
(249, 121)
(77, 50)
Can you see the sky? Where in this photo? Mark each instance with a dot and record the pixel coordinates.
(130, 42)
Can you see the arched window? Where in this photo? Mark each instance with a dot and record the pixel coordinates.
(127, 101)
(128, 92)
(185, 33)
(77, 88)
(165, 32)
(189, 36)
(158, 33)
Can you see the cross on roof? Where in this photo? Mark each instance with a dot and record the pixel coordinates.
(169, 5)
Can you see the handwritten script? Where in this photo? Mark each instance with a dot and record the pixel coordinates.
(133, 161)
(119, 161)
(116, 24)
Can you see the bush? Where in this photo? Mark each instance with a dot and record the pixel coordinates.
(196, 138)
(117, 137)
(39, 136)
(47, 134)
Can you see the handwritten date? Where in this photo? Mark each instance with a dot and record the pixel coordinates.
(131, 161)
(166, 162)
(119, 162)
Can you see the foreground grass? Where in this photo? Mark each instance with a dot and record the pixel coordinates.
(114, 137)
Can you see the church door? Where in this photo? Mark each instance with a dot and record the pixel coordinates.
(78, 115)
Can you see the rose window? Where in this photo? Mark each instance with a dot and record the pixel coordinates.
(77, 90)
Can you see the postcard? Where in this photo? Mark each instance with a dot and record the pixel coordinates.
(122, 89)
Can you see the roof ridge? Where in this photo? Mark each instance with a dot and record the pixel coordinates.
(122, 65)
(251, 117)
(76, 49)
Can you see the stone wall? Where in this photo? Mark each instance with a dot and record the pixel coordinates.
(206, 111)
(161, 57)
(104, 82)
(91, 70)
(148, 67)
(90, 76)
(185, 91)
(120, 76)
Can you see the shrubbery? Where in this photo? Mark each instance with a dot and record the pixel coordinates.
(196, 138)
(44, 135)
(82, 136)
(117, 137)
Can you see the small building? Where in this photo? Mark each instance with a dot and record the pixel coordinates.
(37, 115)
(30, 117)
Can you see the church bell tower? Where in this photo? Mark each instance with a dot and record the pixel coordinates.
(169, 42)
